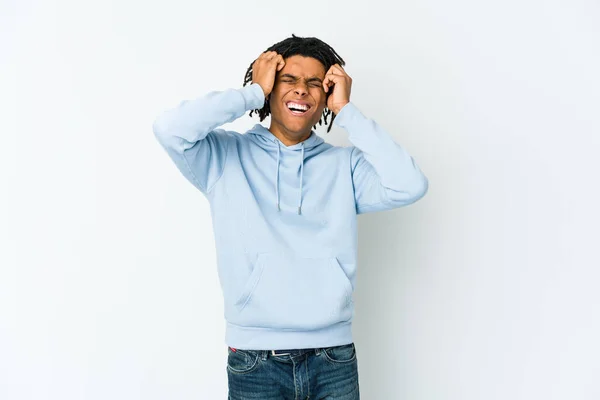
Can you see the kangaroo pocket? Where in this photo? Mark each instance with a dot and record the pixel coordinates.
(294, 293)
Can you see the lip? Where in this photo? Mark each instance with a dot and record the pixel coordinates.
(301, 102)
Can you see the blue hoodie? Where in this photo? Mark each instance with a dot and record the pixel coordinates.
(284, 217)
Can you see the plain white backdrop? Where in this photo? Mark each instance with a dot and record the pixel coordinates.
(487, 288)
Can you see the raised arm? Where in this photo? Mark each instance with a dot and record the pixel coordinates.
(190, 136)
(384, 175)
(189, 132)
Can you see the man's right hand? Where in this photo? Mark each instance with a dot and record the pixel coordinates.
(265, 68)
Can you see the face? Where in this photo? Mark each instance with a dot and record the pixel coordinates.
(298, 99)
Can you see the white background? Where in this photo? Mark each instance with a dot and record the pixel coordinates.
(487, 288)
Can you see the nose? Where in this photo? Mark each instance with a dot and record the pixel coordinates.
(300, 89)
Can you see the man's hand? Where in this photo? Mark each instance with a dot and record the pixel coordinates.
(265, 68)
(341, 82)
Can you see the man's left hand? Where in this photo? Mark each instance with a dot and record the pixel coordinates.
(341, 83)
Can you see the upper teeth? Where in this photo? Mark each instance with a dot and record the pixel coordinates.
(296, 105)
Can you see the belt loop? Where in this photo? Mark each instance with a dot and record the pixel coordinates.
(318, 351)
(264, 354)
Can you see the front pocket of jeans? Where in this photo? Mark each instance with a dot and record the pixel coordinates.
(242, 361)
(341, 354)
(295, 293)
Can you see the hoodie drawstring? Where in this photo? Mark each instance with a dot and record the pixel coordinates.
(301, 178)
(277, 178)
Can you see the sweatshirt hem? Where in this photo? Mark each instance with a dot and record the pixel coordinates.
(252, 338)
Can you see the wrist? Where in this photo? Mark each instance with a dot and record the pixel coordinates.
(253, 96)
(263, 89)
(338, 107)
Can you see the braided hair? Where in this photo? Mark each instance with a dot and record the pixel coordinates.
(307, 47)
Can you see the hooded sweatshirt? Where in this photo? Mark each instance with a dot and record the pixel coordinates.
(285, 217)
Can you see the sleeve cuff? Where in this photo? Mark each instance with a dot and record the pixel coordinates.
(254, 96)
(346, 114)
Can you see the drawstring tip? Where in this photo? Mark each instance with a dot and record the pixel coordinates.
(299, 210)
(278, 208)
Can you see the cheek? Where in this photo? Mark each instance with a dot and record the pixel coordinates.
(278, 93)
(274, 99)
(319, 96)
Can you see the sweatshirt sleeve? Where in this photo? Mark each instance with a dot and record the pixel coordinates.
(384, 175)
(190, 136)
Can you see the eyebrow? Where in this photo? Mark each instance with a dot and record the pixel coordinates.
(311, 79)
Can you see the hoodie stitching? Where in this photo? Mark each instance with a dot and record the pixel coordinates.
(361, 206)
(187, 164)
(227, 139)
(196, 182)
(368, 206)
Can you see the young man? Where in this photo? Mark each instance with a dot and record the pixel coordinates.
(284, 206)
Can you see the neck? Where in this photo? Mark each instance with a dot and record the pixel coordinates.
(286, 136)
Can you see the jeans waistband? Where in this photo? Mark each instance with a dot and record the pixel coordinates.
(288, 352)
(291, 352)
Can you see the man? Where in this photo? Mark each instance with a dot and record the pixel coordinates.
(284, 206)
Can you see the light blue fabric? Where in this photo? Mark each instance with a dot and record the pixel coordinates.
(284, 217)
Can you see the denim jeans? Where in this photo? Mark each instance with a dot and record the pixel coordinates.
(319, 374)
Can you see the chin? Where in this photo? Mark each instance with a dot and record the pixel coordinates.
(297, 126)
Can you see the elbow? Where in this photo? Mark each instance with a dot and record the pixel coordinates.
(420, 188)
(408, 192)
(416, 190)
(159, 128)
(164, 132)
(167, 122)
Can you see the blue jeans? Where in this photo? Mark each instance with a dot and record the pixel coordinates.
(319, 374)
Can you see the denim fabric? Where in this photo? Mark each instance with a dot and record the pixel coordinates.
(315, 374)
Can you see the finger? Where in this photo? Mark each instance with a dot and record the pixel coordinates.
(276, 58)
(280, 63)
(334, 76)
(277, 61)
(330, 80)
(333, 70)
(335, 73)
(339, 66)
(338, 69)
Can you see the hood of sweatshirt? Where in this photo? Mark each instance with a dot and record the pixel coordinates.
(265, 139)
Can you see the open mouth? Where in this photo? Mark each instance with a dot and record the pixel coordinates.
(297, 108)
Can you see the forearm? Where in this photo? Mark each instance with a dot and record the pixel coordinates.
(190, 136)
(395, 167)
(186, 124)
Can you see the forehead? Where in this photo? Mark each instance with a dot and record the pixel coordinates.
(303, 66)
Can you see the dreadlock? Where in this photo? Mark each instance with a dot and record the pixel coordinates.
(307, 47)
